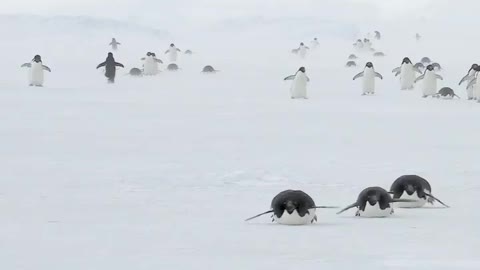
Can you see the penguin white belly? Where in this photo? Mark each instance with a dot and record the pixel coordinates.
(150, 67)
(476, 89)
(407, 77)
(420, 202)
(295, 218)
(429, 84)
(302, 52)
(368, 81)
(470, 93)
(36, 74)
(374, 211)
(299, 86)
(172, 55)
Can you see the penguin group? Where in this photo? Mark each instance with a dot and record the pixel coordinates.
(296, 207)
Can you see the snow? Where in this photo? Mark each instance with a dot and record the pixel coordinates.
(160, 172)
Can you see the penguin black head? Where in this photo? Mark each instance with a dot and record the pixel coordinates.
(301, 44)
(302, 69)
(172, 45)
(37, 59)
(430, 68)
(406, 60)
(476, 67)
(369, 65)
(149, 54)
(153, 54)
(373, 198)
(315, 39)
(110, 56)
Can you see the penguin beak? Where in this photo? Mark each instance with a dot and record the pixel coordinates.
(290, 207)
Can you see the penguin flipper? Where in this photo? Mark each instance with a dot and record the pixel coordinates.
(143, 58)
(439, 77)
(358, 75)
(348, 207)
(264, 213)
(178, 50)
(308, 79)
(396, 74)
(465, 78)
(325, 207)
(419, 78)
(417, 70)
(433, 197)
(46, 68)
(27, 65)
(396, 70)
(159, 61)
(471, 83)
(379, 75)
(119, 65)
(289, 78)
(101, 65)
(403, 200)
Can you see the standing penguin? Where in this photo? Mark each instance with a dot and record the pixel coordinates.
(407, 74)
(150, 64)
(36, 71)
(114, 44)
(368, 75)
(292, 207)
(110, 67)
(302, 50)
(378, 36)
(429, 85)
(413, 187)
(315, 43)
(470, 75)
(299, 85)
(172, 53)
(475, 83)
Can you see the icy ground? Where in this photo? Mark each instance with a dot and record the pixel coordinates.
(159, 173)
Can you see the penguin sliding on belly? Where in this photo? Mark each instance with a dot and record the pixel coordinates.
(368, 75)
(292, 207)
(429, 85)
(407, 74)
(374, 202)
(299, 84)
(150, 64)
(37, 68)
(413, 187)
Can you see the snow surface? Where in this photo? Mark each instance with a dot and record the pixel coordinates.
(160, 172)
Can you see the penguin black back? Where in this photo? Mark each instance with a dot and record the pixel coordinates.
(110, 67)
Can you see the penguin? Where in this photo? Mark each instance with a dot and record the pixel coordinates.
(292, 207)
(419, 66)
(172, 53)
(407, 74)
(378, 36)
(299, 85)
(475, 83)
(150, 64)
(446, 92)
(368, 75)
(429, 84)
(470, 75)
(110, 67)
(352, 57)
(418, 37)
(374, 202)
(437, 66)
(114, 44)
(188, 52)
(302, 50)
(367, 44)
(426, 61)
(209, 69)
(351, 64)
(379, 54)
(359, 44)
(315, 43)
(415, 188)
(37, 67)
(172, 67)
(136, 72)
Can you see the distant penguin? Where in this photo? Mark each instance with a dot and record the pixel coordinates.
(299, 84)
(378, 36)
(351, 64)
(209, 69)
(315, 43)
(292, 207)
(413, 187)
(302, 50)
(474, 83)
(470, 75)
(136, 72)
(407, 74)
(429, 84)
(172, 53)
(35, 75)
(359, 44)
(379, 54)
(188, 52)
(114, 44)
(446, 92)
(172, 67)
(418, 37)
(374, 202)
(437, 67)
(367, 44)
(352, 57)
(368, 75)
(426, 61)
(150, 64)
(419, 66)
(110, 67)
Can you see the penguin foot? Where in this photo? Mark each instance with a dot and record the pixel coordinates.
(357, 214)
(424, 96)
(391, 212)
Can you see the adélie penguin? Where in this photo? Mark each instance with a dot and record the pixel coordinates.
(429, 84)
(413, 187)
(368, 75)
(172, 53)
(299, 84)
(292, 207)
(474, 83)
(36, 77)
(114, 44)
(150, 64)
(470, 75)
(407, 74)
(110, 67)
